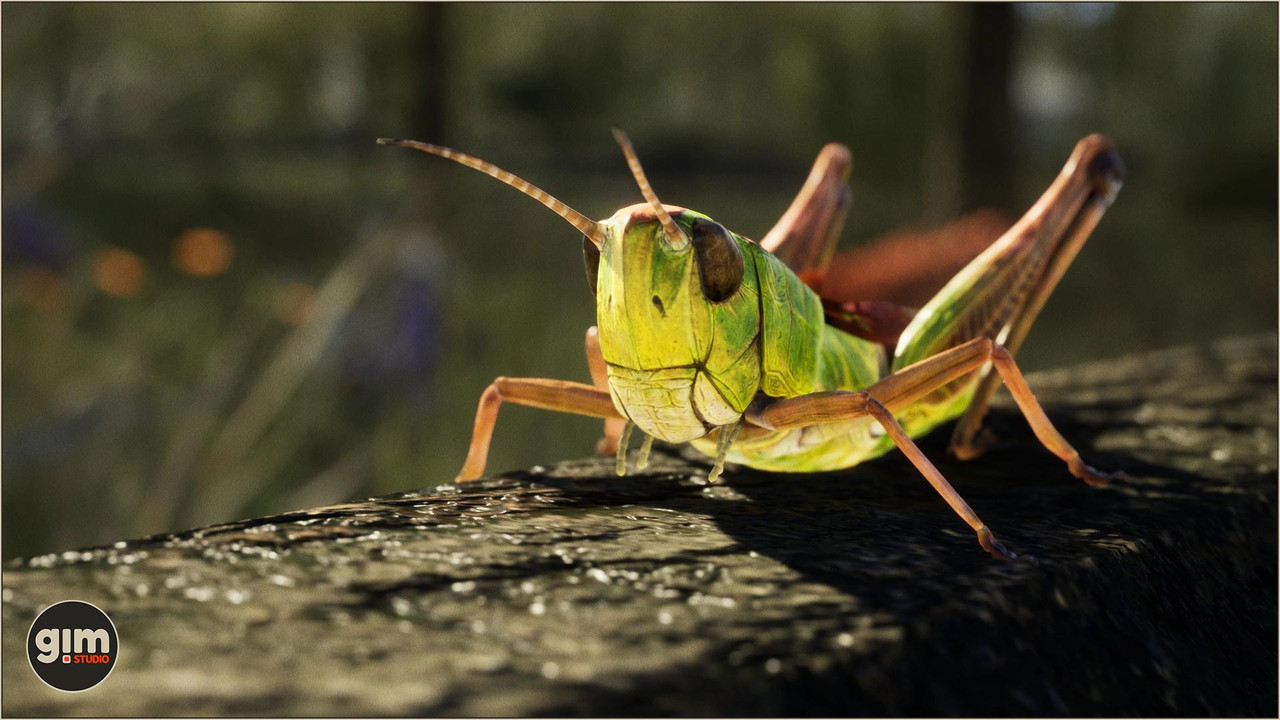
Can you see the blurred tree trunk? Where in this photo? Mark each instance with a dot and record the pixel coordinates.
(431, 21)
(986, 106)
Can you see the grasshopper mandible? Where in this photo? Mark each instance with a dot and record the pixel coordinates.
(706, 337)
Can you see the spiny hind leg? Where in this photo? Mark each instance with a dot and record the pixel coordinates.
(906, 386)
(835, 406)
(1049, 436)
(1002, 291)
(914, 381)
(608, 443)
(971, 439)
(559, 395)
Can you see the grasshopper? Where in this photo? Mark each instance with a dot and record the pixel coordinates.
(706, 337)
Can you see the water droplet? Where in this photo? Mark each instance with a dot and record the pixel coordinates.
(1145, 413)
(844, 640)
(550, 670)
(537, 608)
(773, 666)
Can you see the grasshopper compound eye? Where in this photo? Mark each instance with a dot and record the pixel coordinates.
(720, 264)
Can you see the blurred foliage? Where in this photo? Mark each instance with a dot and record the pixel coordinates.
(221, 299)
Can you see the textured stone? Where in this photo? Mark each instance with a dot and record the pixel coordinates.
(569, 591)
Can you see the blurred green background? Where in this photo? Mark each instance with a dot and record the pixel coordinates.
(221, 299)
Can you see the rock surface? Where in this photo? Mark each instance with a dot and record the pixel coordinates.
(568, 591)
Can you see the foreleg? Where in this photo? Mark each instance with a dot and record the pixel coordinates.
(608, 443)
(559, 395)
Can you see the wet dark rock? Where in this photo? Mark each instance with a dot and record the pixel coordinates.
(569, 591)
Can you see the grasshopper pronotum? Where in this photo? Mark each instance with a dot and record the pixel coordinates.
(706, 337)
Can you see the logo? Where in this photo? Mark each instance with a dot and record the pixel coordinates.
(72, 646)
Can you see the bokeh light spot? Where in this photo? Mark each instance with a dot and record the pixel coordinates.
(118, 272)
(203, 252)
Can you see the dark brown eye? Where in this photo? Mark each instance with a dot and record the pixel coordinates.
(720, 264)
(591, 258)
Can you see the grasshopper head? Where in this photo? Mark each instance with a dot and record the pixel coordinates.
(677, 304)
(677, 321)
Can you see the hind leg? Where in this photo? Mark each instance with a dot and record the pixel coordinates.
(904, 387)
(841, 405)
(1000, 293)
(909, 384)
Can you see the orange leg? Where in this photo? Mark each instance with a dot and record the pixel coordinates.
(1041, 246)
(1044, 430)
(558, 395)
(839, 405)
(899, 390)
(939, 483)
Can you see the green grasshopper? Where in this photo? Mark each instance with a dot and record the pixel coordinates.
(706, 337)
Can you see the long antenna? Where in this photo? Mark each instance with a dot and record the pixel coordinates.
(675, 236)
(585, 225)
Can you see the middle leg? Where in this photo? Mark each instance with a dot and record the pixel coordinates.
(840, 405)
